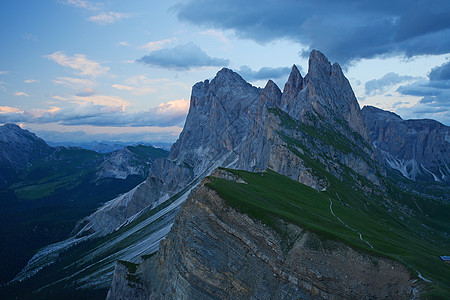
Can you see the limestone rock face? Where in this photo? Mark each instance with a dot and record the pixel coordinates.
(324, 93)
(215, 252)
(419, 149)
(291, 89)
(231, 123)
(314, 117)
(218, 120)
(124, 285)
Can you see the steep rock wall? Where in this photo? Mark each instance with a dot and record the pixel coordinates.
(419, 149)
(215, 252)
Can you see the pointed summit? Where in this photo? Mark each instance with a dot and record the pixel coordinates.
(228, 77)
(294, 83)
(319, 66)
(271, 95)
(271, 88)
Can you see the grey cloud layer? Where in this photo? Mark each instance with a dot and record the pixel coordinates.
(440, 73)
(344, 30)
(435, 93)
(182, 58)
(264, 73)
(378, 86)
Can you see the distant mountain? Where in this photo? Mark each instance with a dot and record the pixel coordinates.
(45, 190)
(130, 160)
(266, 194)
(107, 146)
(418, 149)
(18, 148)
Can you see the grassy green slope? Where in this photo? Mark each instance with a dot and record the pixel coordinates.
(268, 196)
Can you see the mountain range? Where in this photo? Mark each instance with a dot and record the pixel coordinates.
(45, 190)
(269, 194)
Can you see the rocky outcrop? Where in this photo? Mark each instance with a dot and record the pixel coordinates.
(315, 117)
(215, 252)
(120, 164)
(19, 147)
(324, 93)
(218, 121)
(126, 283)
(125, 162)
(419, 149)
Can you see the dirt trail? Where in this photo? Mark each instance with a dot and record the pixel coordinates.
(360, 235)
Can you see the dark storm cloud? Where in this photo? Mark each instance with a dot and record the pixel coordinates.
(440, 73)
(435, 93)
(264, 73)
(343, 30)
(182, 58)
(419, 88)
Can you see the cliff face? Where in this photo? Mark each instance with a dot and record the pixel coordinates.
(215, 252)
(316, 117)
(324, 92)
(231, 123)
(419, 149)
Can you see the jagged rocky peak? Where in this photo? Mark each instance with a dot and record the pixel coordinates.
(271, 95)
(12, 126)
(318, 65)
(294, 84)
(218, 118)
(226, 77)
(14, 133)
(225, 81)
(325, 93)
(321, 68)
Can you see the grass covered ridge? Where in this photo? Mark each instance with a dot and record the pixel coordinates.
(268, 196)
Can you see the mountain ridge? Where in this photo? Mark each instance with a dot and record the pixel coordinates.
(48, 189)
(216, 251)
(418, 149)
(221, 115)
(315, 135)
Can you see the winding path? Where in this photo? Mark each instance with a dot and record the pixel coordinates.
(360, 235)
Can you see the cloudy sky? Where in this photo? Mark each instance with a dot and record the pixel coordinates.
(82, 70)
